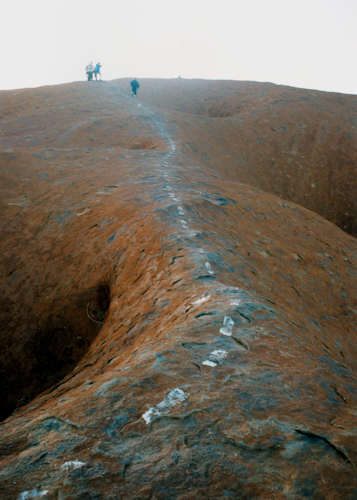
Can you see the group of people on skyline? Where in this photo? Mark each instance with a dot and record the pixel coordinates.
(92, 70)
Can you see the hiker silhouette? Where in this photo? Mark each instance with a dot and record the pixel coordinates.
(89, 71)
(134, 86)
(97, 71)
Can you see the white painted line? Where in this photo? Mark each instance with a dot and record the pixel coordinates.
(25, 495)
(72, 465)
(85, 211)
(227, 327)
(218, 355)
(235, 302)
(173, 397)
(209, 268)
(200, 301)
(209, 363)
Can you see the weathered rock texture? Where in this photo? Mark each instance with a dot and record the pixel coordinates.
(170, 328)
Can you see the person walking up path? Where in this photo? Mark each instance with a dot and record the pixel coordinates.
(134, 86)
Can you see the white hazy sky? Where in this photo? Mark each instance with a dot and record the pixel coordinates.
(304, 43)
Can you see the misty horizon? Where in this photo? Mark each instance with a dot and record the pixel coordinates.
(310, 44)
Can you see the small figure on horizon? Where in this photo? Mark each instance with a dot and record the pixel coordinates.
(134, 86)
(97, 71)
(89, 71)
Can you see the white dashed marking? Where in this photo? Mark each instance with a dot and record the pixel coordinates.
(183, 223)
(85, 211)
(227, 327)
(72, 465)
(215, 357)
(174, 397)
(209, 268)
(218, 355)
(235, 302)
(209, 363)
(200, 301)
(25, 495)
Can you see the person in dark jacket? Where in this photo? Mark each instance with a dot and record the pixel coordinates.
(97, 71)
(134, 86)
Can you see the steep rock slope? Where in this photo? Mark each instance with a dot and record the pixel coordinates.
(167, 330)
(298, 144)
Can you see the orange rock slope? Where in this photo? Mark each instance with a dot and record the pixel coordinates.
(170, 328)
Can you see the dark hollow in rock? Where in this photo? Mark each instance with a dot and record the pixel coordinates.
(52, 350)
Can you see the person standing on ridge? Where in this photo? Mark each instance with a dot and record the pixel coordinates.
(97, 71)
(134, 86)
(89, 71)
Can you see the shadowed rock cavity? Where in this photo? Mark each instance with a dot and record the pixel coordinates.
(52, 350)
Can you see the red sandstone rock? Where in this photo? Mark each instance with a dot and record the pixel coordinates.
(167, 330)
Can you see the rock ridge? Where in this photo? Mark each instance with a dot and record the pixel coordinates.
(199, 332)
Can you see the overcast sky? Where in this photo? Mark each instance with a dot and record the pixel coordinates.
(304, 43)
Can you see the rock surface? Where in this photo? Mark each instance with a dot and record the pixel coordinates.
(171, 328)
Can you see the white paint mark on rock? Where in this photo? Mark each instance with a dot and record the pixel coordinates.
(218, 355)
(207, 362)
(72, 465)
(180, 210)
(227, 327)
(19, 203)
(173, 197)
(236, 302)
(215, 357)
(200, 301)
(25, 495)
(85, 211)
(173, 397)
(192, 234)
(103, 193)
(183, 223)
(209, 268)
